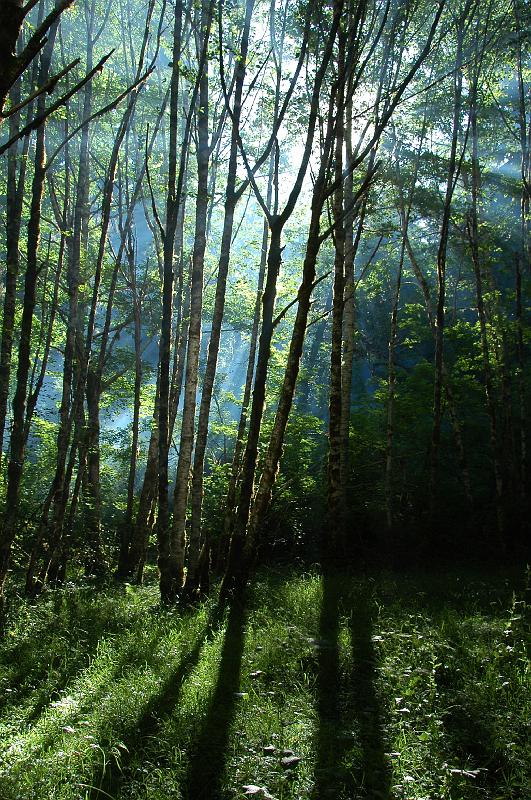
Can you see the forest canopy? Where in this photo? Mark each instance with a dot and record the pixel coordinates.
(265, 285)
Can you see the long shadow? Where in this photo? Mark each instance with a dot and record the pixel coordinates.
(374, 772)
(161, 704)
(208, 759)
(45, 740)
(127, 656)
(332, 778)
(350, 760)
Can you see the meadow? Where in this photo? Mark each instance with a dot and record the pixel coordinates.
(414, 687)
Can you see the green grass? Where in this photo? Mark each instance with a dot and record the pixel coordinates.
(384, 687)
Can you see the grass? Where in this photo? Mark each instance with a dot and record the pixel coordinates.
(410, 687)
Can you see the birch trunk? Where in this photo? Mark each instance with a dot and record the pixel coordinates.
(172, 205)
(52, 515)
(238, 563)
(15, 185)
(94, 367)
(441, 271)
(126, 526)
(520, 262)
(17, 449)
(14, 195)
(274, 451)
(349, 307)
(177, 536)
(452, 408)
(230, 503)
(231, 198)
(336, 499)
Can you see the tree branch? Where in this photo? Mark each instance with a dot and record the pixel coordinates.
(38, 121)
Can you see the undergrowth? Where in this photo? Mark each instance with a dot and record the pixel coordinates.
(311, 687)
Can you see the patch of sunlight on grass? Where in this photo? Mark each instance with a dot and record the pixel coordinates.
(80, 732)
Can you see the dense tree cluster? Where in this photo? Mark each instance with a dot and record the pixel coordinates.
(266, 272)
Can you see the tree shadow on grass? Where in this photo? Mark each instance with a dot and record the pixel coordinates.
(161, 704)
(351, 761)
(330, 775)
(45, 699)
(44, 738)
(208, 759)
(374, 771)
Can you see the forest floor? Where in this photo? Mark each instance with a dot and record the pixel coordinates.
(331, 686)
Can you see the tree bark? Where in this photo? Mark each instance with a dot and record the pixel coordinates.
(177, 536)
(52, 514)
(230, 503)
(520, 262)
(12, 15)
(453, 165)
(16, 458)
(231, 199)
(174, 190)
(14, 195)
(457, 427)
(335, 493)
(15, 185)
(265, 486)
(137, 336)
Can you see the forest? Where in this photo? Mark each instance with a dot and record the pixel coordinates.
(265, 399)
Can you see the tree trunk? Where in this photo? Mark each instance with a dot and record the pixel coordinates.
(349, 307)
(391, 389)
(16, 458)
(230, 502)
(456, 423)
(336, 496)
(237, 566)
(231, 198)
(139, 534)
(14, 195)
(404, 215)
(126, 526)
(15, 185)
(51, 529)
(274, 451)
(453, 166)
(180, 499)
(143, 523)
(310, 360)
(172, 207)
(520, 262)
(93, 371)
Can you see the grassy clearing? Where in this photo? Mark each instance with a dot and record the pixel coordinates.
(385, 687)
